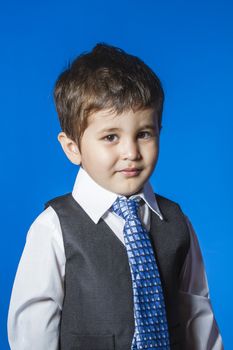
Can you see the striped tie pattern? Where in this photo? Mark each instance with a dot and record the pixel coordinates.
(151, 329)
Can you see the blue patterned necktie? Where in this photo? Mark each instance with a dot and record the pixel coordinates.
(151, 329)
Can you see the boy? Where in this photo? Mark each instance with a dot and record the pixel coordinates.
(111, 266)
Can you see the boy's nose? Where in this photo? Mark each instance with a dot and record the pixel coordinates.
(130, 151)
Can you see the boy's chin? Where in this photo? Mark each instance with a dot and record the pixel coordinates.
(129, 193)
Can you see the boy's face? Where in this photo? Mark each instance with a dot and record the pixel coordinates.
(120, 152)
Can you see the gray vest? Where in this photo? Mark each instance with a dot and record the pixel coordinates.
(97, 311)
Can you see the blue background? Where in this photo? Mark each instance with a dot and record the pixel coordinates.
(190, 46)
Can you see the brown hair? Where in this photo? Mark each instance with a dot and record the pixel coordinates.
(105, 78)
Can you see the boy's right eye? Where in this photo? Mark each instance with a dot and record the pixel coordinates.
(111, 138)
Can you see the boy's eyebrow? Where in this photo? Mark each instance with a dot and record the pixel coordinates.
(147, 126)
(106, 130)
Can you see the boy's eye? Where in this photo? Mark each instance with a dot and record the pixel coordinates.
(144, 134)
(111, 138)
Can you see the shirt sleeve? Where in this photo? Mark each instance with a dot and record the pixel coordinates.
(201, 330)
(37, 295)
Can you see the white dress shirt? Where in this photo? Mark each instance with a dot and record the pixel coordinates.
(38, 291)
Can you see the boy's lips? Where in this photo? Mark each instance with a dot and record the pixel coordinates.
(130, 171)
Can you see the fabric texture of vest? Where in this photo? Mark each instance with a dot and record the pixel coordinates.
(97, 310)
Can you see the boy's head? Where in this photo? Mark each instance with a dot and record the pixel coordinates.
(108, 100)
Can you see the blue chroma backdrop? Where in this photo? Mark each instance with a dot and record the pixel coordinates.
(190, 46)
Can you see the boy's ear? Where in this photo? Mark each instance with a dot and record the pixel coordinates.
(70, 148)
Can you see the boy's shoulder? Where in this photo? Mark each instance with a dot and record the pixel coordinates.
(164, 199)
(170, 209)
(65, 205)
(166, 202)
(62, 199)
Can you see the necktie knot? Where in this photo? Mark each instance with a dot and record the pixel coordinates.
(126, 208)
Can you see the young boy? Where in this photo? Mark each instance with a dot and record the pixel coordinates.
(112, 265)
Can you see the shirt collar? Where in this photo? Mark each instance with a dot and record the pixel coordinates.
(88, 193)
(148, 196)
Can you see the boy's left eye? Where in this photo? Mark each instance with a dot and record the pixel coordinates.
(144, 134)
(110, 138)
